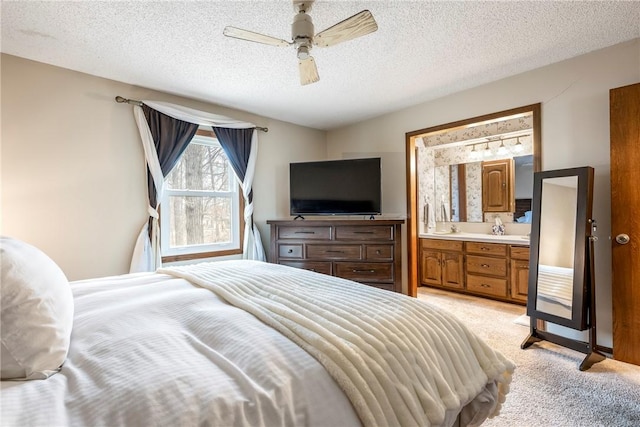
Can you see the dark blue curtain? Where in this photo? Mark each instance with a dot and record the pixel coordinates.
(170, 137)
(236, 144)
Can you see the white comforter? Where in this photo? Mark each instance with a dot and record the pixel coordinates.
(153, 350)
(399, 361)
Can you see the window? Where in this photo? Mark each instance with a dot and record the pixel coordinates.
(200, 210)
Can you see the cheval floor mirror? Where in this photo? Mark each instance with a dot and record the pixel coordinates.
(561, 280)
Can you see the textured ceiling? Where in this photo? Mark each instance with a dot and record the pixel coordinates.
(422, 50)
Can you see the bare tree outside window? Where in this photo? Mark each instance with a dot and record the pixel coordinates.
(199, 201)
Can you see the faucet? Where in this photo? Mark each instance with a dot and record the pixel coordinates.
(455, 228)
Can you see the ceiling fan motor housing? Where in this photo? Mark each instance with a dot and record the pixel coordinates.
(302, 33)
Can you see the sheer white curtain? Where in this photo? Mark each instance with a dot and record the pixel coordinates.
(146, 254)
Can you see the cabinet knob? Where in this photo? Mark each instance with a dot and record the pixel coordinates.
(290, 251)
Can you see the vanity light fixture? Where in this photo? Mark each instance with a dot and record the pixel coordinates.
(487, 151)
(518, 146)
(474, 153)
(502, 150)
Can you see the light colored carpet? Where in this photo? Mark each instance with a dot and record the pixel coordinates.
(547, 389)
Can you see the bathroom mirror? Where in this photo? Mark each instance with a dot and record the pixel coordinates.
(561, 227)
(465, 190)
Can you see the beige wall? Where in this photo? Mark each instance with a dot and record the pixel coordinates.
(575, 132)
(73, 171)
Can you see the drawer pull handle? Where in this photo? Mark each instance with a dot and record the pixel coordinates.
(484, 265)
(355, 270)
(334, 252)
(305, 232)
(484, 285)
(378, 252)
(290, 251)
(484, 248)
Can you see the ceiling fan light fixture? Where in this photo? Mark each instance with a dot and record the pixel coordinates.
(303, 52)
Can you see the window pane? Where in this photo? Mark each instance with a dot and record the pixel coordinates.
(201, 167)
(199, 220)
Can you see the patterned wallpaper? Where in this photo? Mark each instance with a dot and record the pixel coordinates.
(482, 130)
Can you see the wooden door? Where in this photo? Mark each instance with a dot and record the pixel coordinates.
(625, 221)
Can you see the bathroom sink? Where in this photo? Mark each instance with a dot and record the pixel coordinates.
(481, 237)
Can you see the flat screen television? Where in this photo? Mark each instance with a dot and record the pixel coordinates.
(336, 187)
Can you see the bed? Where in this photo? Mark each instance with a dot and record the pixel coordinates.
(242, 343)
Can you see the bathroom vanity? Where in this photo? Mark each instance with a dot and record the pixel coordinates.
(485, 265)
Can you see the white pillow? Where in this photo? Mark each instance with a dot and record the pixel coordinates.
(37, 312)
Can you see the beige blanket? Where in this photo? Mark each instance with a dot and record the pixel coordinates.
(399, 360)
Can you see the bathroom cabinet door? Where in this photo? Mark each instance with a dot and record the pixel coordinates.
(430, 268)
(442, 269)
(452, 270)
(497, 186)
(519, 280)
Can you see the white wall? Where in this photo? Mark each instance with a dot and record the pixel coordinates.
(73, 171)
(575, 132)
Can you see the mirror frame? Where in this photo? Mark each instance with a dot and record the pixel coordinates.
(412, 184)
(581, 259)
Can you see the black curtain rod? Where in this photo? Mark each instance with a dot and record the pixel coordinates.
(121, 100)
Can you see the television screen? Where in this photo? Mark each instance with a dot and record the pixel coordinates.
(336, 187)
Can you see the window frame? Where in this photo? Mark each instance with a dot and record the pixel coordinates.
(208, 250)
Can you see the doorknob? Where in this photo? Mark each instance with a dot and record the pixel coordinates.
(623, 239)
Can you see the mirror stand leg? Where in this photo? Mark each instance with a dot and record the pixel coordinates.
(592, 358)
(531, 339)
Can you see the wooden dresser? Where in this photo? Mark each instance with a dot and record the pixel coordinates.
(366, 251)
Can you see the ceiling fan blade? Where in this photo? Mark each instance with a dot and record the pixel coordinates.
(308, 71)
(238, 33)
(358, 25)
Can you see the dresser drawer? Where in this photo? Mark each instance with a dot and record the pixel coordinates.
(365, 272)
(520, 252)
(487, 265)
(379, 252)
(487, 285)
(317, 266)
(290, 251)
(487, 248)
(333, 252)
(446, 245)
(305, 233)
(385, 286)
(381, 232)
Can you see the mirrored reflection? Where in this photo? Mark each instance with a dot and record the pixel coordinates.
(558, 209)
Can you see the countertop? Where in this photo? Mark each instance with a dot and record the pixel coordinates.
(510, 239)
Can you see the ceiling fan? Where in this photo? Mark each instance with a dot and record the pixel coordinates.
(303, 39)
